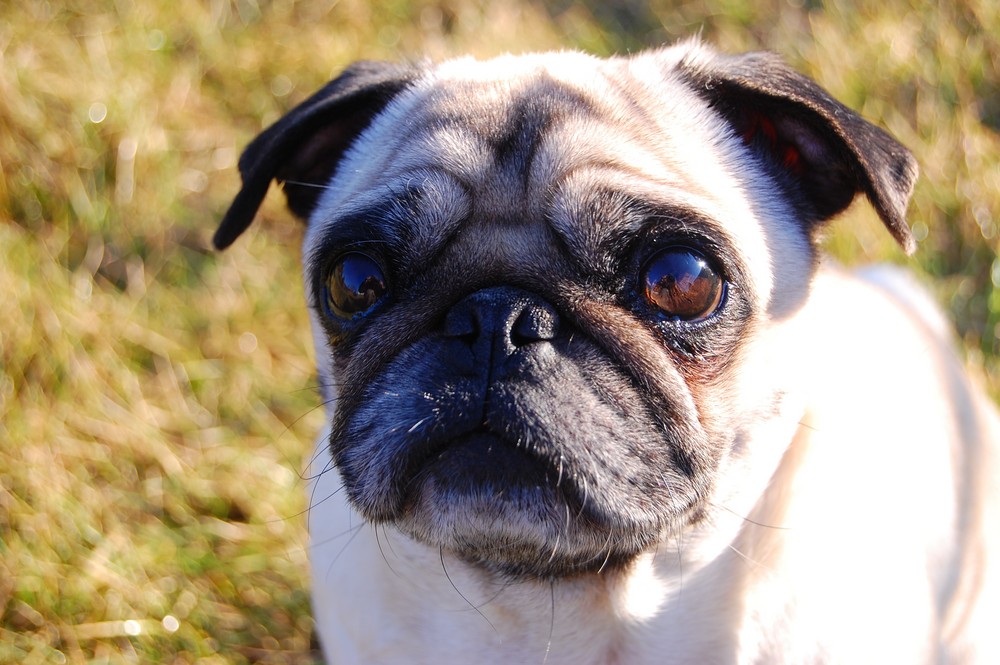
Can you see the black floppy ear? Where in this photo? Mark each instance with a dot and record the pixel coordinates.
(827, 151)
(303, 147)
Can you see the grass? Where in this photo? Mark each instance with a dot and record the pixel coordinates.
(156, 399)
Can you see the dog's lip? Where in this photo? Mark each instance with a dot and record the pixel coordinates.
(477, 459)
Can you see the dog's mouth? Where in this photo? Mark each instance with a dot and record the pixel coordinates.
(502, 505)
(557, 466)
(479, 463)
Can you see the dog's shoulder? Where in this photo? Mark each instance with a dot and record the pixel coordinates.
(891, 393)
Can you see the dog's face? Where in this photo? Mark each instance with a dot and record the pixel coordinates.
(539, 284)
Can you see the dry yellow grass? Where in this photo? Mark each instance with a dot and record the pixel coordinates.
(156, 400)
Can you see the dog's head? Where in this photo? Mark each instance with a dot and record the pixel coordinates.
(536, 282)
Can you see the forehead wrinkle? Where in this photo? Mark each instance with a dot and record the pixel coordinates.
(628, 145)
(434, 131)
(440, 209)
(595, 203)
(413, 215)
(493, 140)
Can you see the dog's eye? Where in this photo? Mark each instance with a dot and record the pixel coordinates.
(682, 284)
(355, 285)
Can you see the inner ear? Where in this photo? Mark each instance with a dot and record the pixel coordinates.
(307, 171)
(799, 152)
(760, 130)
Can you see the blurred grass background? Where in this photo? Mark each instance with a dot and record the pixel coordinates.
(157, 400)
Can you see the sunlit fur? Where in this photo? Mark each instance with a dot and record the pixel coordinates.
(852, 514)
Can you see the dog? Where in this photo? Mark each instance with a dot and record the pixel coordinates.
(594, 394)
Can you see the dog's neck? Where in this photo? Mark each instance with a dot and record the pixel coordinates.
(409, 596)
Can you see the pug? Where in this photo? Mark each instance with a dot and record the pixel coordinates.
(594, 394)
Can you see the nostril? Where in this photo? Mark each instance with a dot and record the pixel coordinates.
(536, 322)
(499, 320)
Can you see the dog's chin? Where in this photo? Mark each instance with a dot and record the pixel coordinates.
(502, 508)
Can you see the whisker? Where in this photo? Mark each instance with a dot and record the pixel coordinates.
(552, 620)
(586, 495)
(462, 595)
(607, 557)
(354, 531)
(327, 541)
(417, 424)
(555, 548)
(378, 541)
(502, 587)
(313, 388)
(301, 183)
(750, 521)
(388, 541)
(343, 549)
(680, 565)
(315, 504)
(327, 467)
(809, 427)
(746, 558)
(305, 511)
(312, 494)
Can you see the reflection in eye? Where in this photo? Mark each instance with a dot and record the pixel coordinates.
(682, 284)
(354, 286)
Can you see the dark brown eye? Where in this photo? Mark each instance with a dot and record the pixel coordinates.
(354, 286)
(682, 284)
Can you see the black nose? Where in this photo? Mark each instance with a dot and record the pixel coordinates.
(498, 321)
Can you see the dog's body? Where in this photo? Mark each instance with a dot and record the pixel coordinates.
(598, 400)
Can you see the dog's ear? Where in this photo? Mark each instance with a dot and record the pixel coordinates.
(302, 149)
(828, 152)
